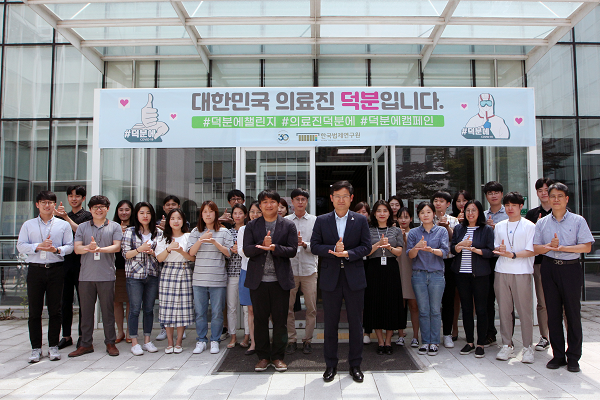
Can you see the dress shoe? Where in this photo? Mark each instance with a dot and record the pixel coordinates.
(250, 352)
(65, 342)
(380, 350)
(356, 374)
(329, 374)
(307, 348)
(262, 365)
(112, 350)
(388, 350)
(81, 351)
(573, 366)
(291, 348)
(279, 365)
(556, 363)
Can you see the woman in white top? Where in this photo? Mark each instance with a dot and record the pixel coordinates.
(176, 300)
(234, 264)
(243, 290)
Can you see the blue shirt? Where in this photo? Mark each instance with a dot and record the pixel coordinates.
(571, 230)
(436, 238)
(35, 231)
(498, 216)
(340, 223)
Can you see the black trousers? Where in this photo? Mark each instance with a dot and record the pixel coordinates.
(270, 300)
(562, 289)
(71, 285)
(44, 283)
(448, 297)
(474, 289)
(332, 306)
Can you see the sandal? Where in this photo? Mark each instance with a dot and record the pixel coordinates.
(245, 344)
(231, 345)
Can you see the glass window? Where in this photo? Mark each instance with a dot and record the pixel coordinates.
(297, 73)
(181, 73)
(112, 10)
(592, 272)
(588, 79)
(144, 74)
(485, 72)
(445, 72)
(24, 155)
(552, 78)
(25, 26)
(342, 72)
(589, 133)
(382, 7)
(74, 84)
(119, 74)
(26, 83)
(244, 73)
(510, 73)
(72, 142)
(386, 72)
(588, 29)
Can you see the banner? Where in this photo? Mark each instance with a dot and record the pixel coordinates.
(323, 116)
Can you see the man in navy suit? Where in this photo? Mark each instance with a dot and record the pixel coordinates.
(341, 238)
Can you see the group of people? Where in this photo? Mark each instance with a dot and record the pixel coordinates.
(376, 261)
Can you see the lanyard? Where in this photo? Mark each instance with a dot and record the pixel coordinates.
(49, 231)
(514, 233)
(100, 232)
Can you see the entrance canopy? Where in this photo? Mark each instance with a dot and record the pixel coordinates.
(107, 30)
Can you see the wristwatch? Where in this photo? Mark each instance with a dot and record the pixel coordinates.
(514, 256)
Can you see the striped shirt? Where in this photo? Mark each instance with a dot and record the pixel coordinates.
(466, 266)
(210, 268)
(234, 264)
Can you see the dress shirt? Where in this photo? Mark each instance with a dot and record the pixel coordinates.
(340, 222)
(498, 216)
(305, 262)
(436, 238)
(571, 230)
(35, 231)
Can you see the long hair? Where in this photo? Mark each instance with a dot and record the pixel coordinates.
(168, 232)
(373, 219)
(466, 195)
(480, 218)
(117, 219)
(138, 225)
(213, 206)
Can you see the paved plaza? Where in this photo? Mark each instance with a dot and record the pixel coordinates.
(449, 375)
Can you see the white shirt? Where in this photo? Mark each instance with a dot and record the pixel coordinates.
(173, 256)
(340, 223)
(305, 262)
(517, 236)
(240, 244)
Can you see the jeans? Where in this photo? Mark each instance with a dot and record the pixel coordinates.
(142, 293)
(429, 288)
(218, 299)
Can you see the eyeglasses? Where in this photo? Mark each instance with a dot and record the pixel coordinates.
(493, 193)
(484, 103)
(471, 211)
(338, 197)
(98, 208)
(47, 203)
(300, 199)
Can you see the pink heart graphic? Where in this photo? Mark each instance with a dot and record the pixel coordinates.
(518, 120)
(124, 102)
(463, 106)
(173, 116)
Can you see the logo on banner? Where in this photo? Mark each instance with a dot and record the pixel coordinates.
(283, 137)
(150, 129)
(486, 124)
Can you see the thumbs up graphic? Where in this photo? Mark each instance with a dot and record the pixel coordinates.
(150, 118)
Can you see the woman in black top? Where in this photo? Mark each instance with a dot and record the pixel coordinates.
(473, 244)
(123, 217)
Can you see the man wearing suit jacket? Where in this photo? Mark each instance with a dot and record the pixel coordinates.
(341, 238)
(269, 243)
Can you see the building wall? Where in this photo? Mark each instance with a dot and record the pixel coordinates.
(47, 104)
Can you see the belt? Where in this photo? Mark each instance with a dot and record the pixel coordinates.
(562, 262)
(341, 264)
(56, 264)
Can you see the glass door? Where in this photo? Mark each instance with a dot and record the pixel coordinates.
(379, 182)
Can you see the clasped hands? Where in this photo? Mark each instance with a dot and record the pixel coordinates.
(267, 243)
(146, 247)
(466, 244)
(422, 245)
(554, 245)
(339, 249)
(47, 245)
(174, 246)
(207, 237)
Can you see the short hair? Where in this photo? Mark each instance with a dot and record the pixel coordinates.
(235, 192)
(339, 185)
(373, 219)
(481, 215)
(363, 204)
(299, 192)
(559, 186)
(465, 194)
(79, 190)
(136, 222)
(171, 197)
(405, 209)
(99, 200)
(116, 218)
(543, 181)
(45, 195)
(441, 195)
(424, 204)
(268, 194)
(513, 198)
(284, 203)
(492, 186)
(213, 206)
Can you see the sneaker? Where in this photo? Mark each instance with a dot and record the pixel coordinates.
(169, 350)
(414, 342)
(543, 344)
(53, 353)
(448, 343)
(200, 347)
(35, 356)
(433, 350)
(527, 355)
(366, 339)
(468, 349)
(291, 348)
(137, 350)
(400, 341)
(423, 349)
(505, 353)
(150, 347)
(490, 340)
(479, 352)
(162, 335)
(178, 350)
(214, 347)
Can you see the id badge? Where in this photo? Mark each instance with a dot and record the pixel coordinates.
(43, 255)
(383, 260)
(96, 256)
